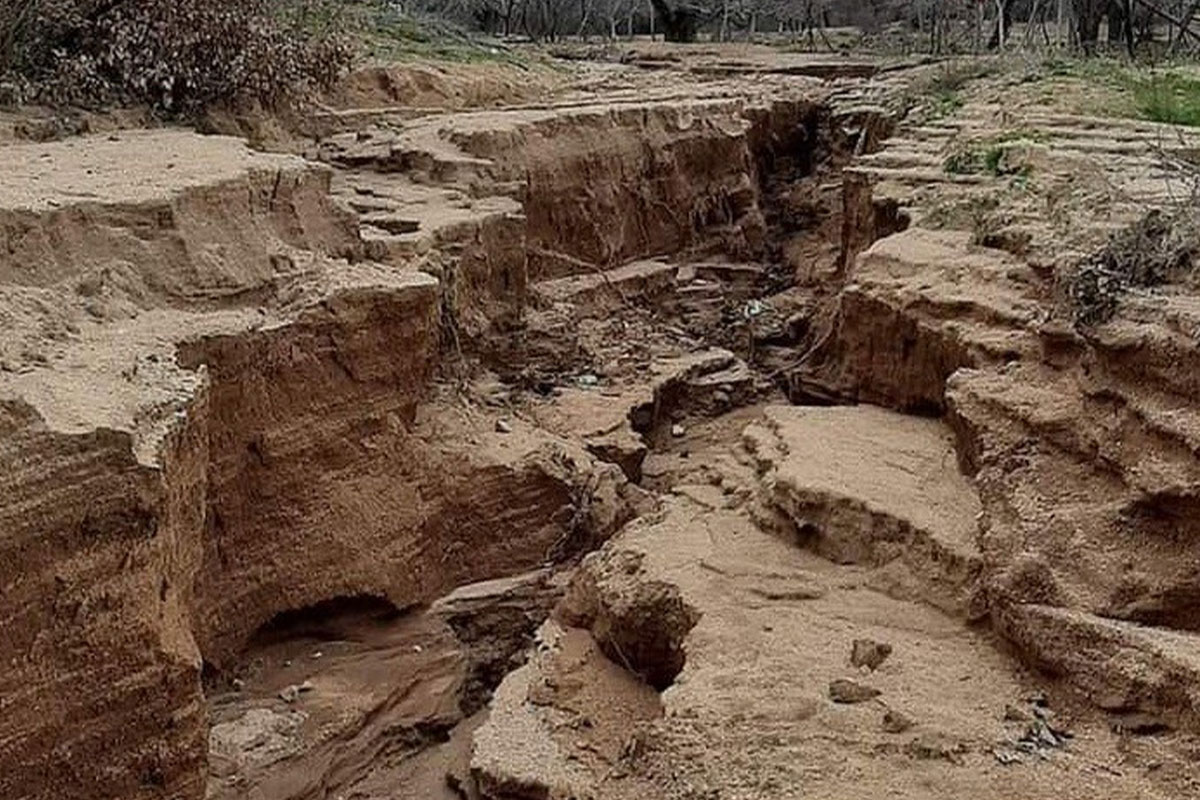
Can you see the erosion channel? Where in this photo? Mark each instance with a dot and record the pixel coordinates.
(644, 440)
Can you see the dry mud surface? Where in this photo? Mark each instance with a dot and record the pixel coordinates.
(670, 429)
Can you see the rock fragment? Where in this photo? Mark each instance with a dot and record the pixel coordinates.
(291, 694)
(1006, 757)
(1014, 713)
(844, 690)
(869, 653)
(936, 747)
(896, 721)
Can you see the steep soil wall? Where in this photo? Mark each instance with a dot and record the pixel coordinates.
(626, 184)
(303, 456)
(604, 184)
(101, 674)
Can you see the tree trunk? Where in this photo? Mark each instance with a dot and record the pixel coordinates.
(1088, 14)
(679, 23)
(1004, 11)
(1130, 39)
(585, 11)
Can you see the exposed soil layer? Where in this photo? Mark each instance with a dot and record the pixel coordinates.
(662, 431)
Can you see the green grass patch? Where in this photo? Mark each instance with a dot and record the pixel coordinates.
(940, 88)
(944, 103)
(1168, 97)
(964, 161)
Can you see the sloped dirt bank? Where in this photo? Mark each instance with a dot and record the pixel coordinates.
(1078, 437)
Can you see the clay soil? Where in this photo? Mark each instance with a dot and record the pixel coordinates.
(671, 426)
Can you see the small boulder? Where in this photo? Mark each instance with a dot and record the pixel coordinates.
(1014, 713)
(291, 694)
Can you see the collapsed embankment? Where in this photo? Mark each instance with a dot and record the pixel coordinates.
(215, 411)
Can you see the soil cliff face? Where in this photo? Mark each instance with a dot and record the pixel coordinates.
(98, 554)
(600, 184)
(106, 439)
(207, 426)
(611, 185)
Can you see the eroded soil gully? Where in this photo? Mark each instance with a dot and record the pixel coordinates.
(231, 446)
(210, 418)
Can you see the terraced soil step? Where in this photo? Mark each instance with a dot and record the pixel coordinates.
(868, 486)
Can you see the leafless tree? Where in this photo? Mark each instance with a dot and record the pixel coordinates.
(936, 26)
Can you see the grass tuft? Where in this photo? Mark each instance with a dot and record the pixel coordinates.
(997, 156)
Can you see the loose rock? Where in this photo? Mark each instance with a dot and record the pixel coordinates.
(844, 690)
(291, 694)
(1013, 713)
(868, 653)
(896, 721)
(1006, 757)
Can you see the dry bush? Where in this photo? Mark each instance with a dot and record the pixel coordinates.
(1160, 248)
(178, 56)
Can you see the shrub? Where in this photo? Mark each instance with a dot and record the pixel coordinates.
(178, 56)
